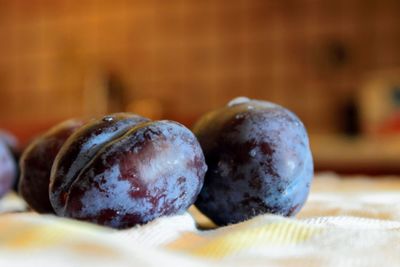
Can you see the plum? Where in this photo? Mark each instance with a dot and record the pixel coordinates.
(146, 170)
(36, 162)
(8, 169)
(259, 161)
(14, 146)
(11, 141)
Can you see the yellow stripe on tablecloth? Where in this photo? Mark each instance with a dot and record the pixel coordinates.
(285, 232)
(28, 231)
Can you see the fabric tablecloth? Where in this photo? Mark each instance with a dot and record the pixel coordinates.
(345, 222)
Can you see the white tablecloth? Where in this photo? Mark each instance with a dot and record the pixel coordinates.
(346, 222)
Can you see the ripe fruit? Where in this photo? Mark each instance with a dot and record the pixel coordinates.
(259, 161)
(127, 173)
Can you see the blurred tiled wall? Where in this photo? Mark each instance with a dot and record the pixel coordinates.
(194, 55)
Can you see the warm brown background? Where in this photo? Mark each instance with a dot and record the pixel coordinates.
(193, 55)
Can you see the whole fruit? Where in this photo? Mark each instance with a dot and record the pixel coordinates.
(36, 162)
(151, 169)
(259, 161)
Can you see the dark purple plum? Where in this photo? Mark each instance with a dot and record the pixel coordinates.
(149, 170)
(259, 161)
(8, 169)
(36, 162)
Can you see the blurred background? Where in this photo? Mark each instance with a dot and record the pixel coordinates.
(336, 63)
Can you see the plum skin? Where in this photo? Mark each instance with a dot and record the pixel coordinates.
(15, 148)
(154, 169)
(8, 169)
(259, 162)
(36, 162)
(81, 147)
